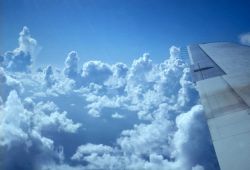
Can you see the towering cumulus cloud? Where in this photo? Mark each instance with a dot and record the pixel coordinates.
(71, 65)
(21, 58)
(100, 116)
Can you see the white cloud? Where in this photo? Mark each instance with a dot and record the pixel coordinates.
(53, 117)
(140, 67)
(120, 70)
(97, 103)
(12, 117)
(49, 76)
(146, 146)
(21, 58)
(118, 79)
(174, 52)
(49, 117)
(245, 38)
(187, 94)
(117, 116)
(163, 96)
(190, 140)
(27, 44)
(7, 84)
(95, 72)
(71, 65)
(59, 120)
(146, 138)
(89, 149)
(43, 116)
(23, 128)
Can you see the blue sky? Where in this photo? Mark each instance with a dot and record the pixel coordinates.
(141, 113)
(116, 30)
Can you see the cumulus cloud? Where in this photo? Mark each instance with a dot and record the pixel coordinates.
(27, 44)
(16, 118)
(95, 72)
(21, 58)
(120, 70)
(118, 79)
(140, 68)
(7, 83)
(104, 116)
(18, 61)
(144, 147)
(189, 125)
(89, 149)
(71, 65)
(245, 38)
(49, 76)
(174, 52)
(166, 98)
(117, 116)
(11, 120)
(21, 131)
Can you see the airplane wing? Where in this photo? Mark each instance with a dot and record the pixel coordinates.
(222, 75)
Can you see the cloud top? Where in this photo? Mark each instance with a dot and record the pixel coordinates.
(21, 58)
(102, 116)
(71, 65)
(245, 38)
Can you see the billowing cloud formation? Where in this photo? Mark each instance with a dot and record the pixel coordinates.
(88, 149)
(103, 116)
(22, 132)
(49, 76)
(21, 58)
(71, 65)
(7, 84)
(245, 38)
(95, 72)
(26, 43)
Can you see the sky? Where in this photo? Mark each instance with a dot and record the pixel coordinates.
(116, 30)
(100, 115)
(105, 84)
